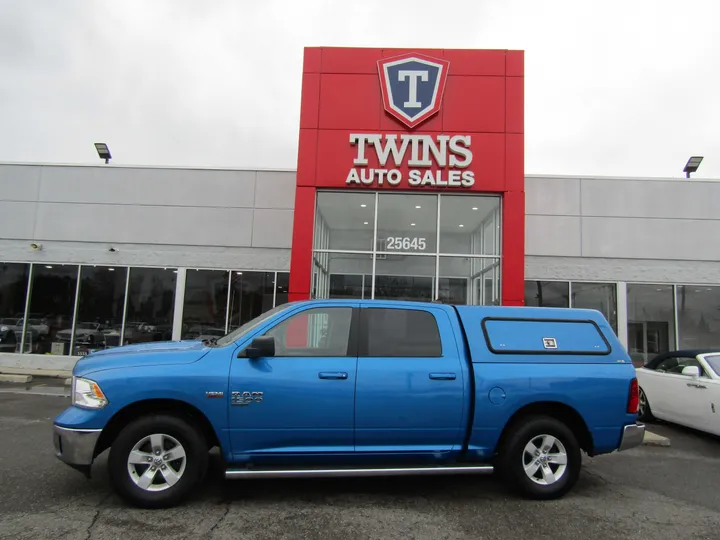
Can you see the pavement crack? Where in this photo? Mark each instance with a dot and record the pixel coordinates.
(221, 519)
(98, 509)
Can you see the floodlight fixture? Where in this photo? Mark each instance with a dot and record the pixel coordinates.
(692, 165)
(103, 151)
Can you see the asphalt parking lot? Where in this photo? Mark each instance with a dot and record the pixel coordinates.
(646, 493)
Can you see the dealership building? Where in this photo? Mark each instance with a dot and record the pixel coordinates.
(410, 184)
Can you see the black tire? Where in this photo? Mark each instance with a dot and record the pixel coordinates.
(511, 457)
(195, 465)
(644, 411)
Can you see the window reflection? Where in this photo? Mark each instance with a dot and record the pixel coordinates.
(698, 309)
(251, 294)
(469, 224)
(405, 277)
(547, 294)
(599, 296)
(341, 275)
(650, 321)
(13, 291)
(469, 280)
(150, 305)
(344, 221)
(52, 303)
(407, 223)
(281, 288)
(205, 304)
(100, 309)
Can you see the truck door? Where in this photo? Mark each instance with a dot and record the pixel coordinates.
(410, 384)
(301, 400)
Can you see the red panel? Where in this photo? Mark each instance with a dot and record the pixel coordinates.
(307, 157)
(513, 249)
(310, 101)
(464, 62)
(514, 105)
(488, 161)
(514, 162)
(301, 254)
(350, 102)
(515, 63)
(311, 60)
(338, 60)
(390, 123)
(437, 53)
(474, 104)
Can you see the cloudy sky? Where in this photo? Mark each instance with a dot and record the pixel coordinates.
(612, 87)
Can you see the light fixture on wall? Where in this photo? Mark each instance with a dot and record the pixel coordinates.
(35, 246)
(103, 151)
(692, 165)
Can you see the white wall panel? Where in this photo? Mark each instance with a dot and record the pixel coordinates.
(272, 228)
(17, 219)
(19, 183)
(552, 196)
(651, 238)
(552, 235)
(275, 189)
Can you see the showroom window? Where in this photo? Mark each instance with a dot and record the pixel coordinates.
(101, 305)
(13, 294)
(651, 321)
(150, 305)
(51, 309)
(251, 294)
(407, 247)
(547, 294)
(698, 316)
(205, 304)
(599, 296)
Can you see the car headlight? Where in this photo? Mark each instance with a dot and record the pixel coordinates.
(87, 394)
(4, 329)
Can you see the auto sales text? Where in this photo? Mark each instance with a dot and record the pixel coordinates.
(425, 151)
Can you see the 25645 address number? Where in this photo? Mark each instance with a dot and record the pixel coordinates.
(404, 243)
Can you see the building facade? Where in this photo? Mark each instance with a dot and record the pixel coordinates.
(399, 193)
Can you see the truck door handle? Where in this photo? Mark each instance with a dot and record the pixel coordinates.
(700, 386)
(442, 376)
(332, 375)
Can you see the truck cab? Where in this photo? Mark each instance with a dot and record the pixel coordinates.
(358, 388)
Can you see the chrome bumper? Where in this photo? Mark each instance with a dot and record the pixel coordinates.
(632, 436)
(75, 447)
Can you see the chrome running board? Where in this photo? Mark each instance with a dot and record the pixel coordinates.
(356, 472)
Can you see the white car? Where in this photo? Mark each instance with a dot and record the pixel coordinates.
(682, 387)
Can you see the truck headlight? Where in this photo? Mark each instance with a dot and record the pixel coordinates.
(87, 394)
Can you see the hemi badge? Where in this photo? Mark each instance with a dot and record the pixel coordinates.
(214, 394)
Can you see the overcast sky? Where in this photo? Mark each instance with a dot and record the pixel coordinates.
(623, 87)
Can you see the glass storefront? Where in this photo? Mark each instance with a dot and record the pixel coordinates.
(651, 321)
(401, 246)
(81, 308)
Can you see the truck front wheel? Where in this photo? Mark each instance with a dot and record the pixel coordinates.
(157, 460)
(541, 458)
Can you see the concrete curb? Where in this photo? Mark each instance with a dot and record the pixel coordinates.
(60, 374)
(653, 439)
(22, 379)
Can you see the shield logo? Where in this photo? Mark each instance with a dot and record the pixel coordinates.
(412, 86)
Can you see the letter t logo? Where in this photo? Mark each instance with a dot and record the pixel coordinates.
(412, 76)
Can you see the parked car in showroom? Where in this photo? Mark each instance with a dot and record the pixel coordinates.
(682, 387)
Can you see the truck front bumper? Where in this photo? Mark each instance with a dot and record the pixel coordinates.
(76, 447)
(632, 436)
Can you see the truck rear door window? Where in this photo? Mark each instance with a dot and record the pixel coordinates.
(399, 333)
(544, 336)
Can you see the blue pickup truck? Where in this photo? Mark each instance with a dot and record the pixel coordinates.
(358, 388)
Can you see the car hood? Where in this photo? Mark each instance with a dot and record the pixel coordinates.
(142, 354)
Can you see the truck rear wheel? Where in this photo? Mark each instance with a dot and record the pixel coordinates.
(157, 460)
(541, 458)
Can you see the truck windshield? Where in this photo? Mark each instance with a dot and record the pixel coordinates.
(235, 334)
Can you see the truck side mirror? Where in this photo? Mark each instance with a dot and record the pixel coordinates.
(261, 347)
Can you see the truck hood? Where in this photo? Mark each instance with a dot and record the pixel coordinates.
(143, 354)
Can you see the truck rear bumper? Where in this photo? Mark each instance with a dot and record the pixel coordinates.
(632, 436)
(76, 447)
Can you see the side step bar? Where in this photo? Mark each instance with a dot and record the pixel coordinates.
(344, 473)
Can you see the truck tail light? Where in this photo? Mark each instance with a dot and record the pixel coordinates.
(633, 398)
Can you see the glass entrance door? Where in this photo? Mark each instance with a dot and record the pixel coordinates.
(402, 246)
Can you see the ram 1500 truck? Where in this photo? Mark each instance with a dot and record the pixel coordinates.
(358, 388)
